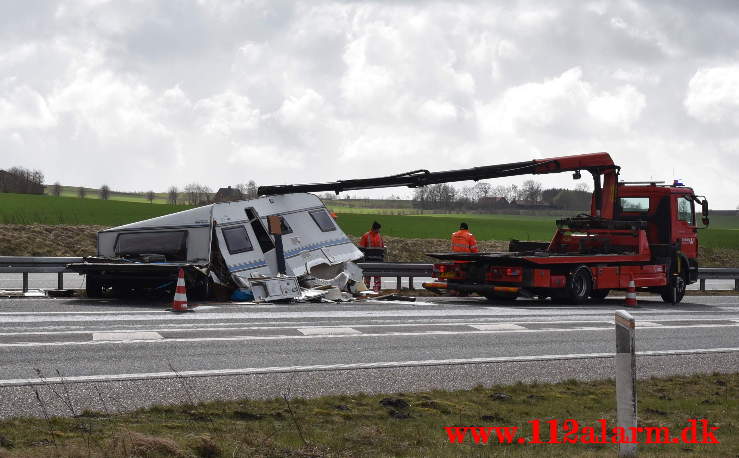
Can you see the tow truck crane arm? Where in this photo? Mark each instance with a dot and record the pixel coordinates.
(597, 164)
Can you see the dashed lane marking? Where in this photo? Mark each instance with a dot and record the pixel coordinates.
(122, 336)
(497, 327)
(328, 331)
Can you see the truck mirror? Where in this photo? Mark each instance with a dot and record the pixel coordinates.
(704, 212)
(274, 223)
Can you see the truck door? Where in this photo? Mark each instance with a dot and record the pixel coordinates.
(684, 231)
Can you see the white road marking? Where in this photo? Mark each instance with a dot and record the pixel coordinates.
(123, 335)
(327, 331)
(31, 317)
(339, 367)
(496, 327)
(329, 336)
(228, 326)
(646, 324)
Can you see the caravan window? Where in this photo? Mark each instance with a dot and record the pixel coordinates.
(285, 228)
(237, 240)
(323, 220)
(265, 242)
(172, 244)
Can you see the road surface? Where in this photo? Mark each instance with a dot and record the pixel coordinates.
(113, 355)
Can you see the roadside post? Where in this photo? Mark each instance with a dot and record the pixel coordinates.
(625, 378)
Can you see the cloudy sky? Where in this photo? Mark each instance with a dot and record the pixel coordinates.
(145, 94)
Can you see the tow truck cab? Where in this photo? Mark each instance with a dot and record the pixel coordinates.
(652, 239)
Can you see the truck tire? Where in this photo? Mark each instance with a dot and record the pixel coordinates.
(93, 287)
(579, 286)
(599, 295)
(674, 292)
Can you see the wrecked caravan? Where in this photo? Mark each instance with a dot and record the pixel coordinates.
(226, 243)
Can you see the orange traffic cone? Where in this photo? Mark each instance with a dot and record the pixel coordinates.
(179, 304)
(631, 294)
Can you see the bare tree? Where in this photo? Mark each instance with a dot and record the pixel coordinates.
(81, 192)
(172, 195)
(56, 189)
(197, 194)
(531, 191)
(104, 192)
(150, 196)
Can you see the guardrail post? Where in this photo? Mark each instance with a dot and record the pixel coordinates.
(736, 284)
(60, 280)
(397, 283)
(625, 379)
(703, 284)
(410, 283)
(25, 282)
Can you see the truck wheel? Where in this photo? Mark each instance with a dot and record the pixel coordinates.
(93, 287)
(674, 292)
(579, 285)
(599, 295)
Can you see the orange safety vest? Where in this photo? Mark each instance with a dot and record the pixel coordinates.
(464, 242)
(371, 239)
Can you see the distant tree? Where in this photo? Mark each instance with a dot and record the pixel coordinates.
(172, 195)
(56, 189)
(150, 196)
(81, 192)
(104, 192)
(197, 194)
(531, 191)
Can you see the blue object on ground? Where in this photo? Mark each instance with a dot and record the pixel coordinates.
(242, 295)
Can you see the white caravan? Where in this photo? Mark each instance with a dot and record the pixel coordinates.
(227, 242)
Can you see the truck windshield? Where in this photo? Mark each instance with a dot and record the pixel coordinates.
(171, 244)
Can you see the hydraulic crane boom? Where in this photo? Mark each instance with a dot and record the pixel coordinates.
(597, 164)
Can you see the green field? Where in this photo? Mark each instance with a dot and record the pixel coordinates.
(721, 234)
(29, 209)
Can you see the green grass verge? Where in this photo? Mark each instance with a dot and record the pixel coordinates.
(402, 424)
(30, 209)
(492, 227)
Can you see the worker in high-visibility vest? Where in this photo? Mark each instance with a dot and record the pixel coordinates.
(463, 241)
(373, 239)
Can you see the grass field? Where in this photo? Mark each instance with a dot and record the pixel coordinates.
(29, 209)
(401, 424)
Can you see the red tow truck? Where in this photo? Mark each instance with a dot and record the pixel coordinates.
(645, 232)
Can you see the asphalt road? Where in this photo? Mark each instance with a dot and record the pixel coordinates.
(112, 355)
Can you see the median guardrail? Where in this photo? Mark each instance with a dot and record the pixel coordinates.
(414, 270)
(36, 264)
(45, 264)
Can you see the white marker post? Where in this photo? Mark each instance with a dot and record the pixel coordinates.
(625, 378)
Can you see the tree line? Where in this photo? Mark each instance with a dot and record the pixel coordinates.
(484, 196)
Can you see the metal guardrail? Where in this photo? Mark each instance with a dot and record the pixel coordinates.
(36, 264)
(411, 270)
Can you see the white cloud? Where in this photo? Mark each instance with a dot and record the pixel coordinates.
(713, 95)
(279, 91)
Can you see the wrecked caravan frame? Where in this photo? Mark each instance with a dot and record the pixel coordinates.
(225, 243)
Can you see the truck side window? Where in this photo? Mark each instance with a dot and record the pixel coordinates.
(685, 210)
(265, 242)
(237, 239)
(324, 222)
(634, 204)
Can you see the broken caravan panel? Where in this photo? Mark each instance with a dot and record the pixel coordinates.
(144, 255)
(320, 249)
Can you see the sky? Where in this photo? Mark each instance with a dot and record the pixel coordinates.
(147, 94)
